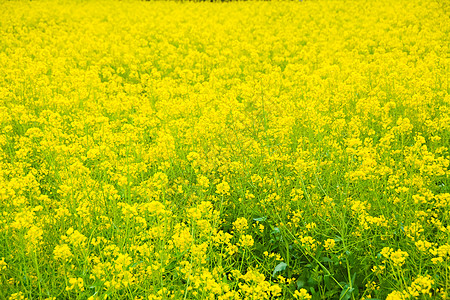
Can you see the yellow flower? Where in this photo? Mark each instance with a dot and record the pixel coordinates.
(223, 188)
(399, 257)
(74, 237)
(203, 181)
(199, 252)
(396, 295)
(231, 249)
(444, 251)
(182, 239)
(309, 243)
(140, 138)
(246, 241)
(3, 264)
(17, 296)
(423, 245)
(378, 270)
(329, 244)
(240, 224)
(386, 252)
(160, 180)
(421, 285)
(302, 294)
(75, 283)
(62, 252)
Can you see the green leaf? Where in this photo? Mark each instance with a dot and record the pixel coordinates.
(276, 231)
(300, 284)
(328, 282)
(326, 260)
(312, 281)
(353, 279)
(261, 219)
(279, 268)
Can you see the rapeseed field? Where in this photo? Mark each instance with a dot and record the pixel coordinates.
(242, 150)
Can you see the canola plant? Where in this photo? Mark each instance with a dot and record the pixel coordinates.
(242, 150)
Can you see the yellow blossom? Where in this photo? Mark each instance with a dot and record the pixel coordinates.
(302, 294)
(329, 244)
(62, 252)
(223, 188)
(240, 224)
(246, 241)
(3, 264)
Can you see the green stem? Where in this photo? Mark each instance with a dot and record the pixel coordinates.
(37, 273)
(242, 262)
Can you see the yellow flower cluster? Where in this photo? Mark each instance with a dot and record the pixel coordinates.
(420, 286)
(302, 294)
(329, 244)
(3, 264)
(240, 224)
(442, 254)
(255, 286)
(75, 283)
(247, 150)
(397, 258)
(62, 252)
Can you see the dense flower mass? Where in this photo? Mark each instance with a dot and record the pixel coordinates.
(243, 150)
